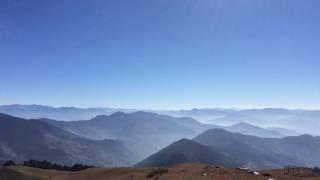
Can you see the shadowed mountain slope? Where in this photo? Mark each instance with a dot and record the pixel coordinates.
(143, 132)
(264, 152)
(186, 151)
(22, 139)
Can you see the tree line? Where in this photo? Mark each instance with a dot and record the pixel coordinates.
(48, 165)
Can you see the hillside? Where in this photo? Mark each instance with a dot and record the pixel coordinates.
(22, 139)
(143, 132)
(140, 130)
(264, 152)
(123, 125)
(186, 151)
(218, 146)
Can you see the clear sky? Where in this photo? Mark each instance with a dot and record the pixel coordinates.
(160, 54)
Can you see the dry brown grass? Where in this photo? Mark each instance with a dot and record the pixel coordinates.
(179, 172)
(10, 174)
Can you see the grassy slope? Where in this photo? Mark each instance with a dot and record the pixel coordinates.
(178, 172)
(12, 174)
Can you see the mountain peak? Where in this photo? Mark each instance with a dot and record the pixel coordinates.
(100, 117)
(217, 130)
(243, 124)
(186, 151)
(118, 113)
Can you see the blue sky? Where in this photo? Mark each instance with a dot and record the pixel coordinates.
(160, 54)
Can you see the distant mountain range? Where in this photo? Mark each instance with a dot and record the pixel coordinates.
(248, 129)
(217, 147)
(240, 125)
(269, 117)
(118, 126)
(143, 132)
(57, 113)
(146, 128)
(22, 139)
(123, 139)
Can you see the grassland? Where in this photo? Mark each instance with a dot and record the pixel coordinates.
(178, 172)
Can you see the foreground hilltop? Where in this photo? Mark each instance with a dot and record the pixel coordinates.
(178, 172)
(187, 151)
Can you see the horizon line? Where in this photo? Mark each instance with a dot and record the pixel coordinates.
(158, 109)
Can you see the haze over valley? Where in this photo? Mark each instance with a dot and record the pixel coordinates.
(146, 138)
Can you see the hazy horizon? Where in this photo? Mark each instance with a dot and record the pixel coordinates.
(178, 109)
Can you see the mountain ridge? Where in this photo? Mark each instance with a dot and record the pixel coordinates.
(22, 139)
(273, 152)
(186, 151)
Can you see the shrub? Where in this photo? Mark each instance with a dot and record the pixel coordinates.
(49, 165)
(158, 171)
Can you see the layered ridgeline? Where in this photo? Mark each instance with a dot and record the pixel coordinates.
(249, 129)
(268, 117)
(139, 124)
(22, 139)
(143, 132)
(140, 134)
(134, 137)
(300, 150)
(146, 133)
(249, 151)
(58, 113)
